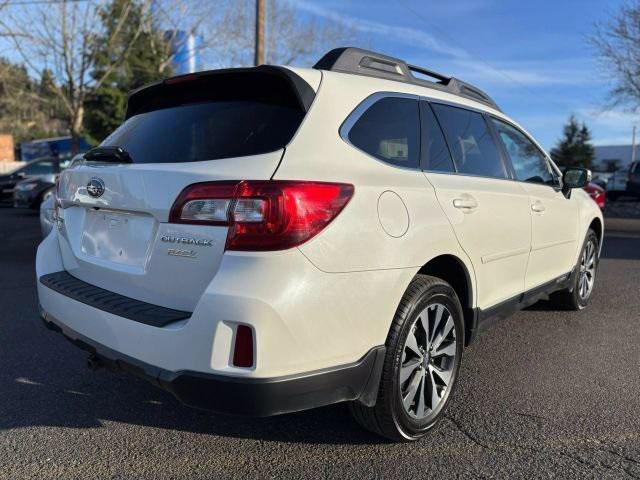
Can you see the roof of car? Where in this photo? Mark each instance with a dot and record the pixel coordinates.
(357, 61)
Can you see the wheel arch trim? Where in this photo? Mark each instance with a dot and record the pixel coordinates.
(449, 268)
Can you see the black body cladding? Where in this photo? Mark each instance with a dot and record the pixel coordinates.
(96, 297)
(257, 397)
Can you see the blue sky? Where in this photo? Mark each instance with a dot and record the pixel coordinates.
(532, 57)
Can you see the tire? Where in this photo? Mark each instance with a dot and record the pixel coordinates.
(575, 297)
(426, 298)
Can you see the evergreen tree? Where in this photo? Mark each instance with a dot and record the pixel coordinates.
(574, 149)
(132, 50)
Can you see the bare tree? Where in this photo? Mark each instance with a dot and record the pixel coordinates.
(58, 37)
(617, 45)
(295, 40)
(291, 39)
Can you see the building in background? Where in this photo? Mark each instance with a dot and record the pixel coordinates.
(6, 148)
(185, 49)
(610, 158)
(50, 147)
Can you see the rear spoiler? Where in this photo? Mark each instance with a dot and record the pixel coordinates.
(140, 99)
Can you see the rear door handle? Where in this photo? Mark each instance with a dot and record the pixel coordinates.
(538, 207)
(465, 203)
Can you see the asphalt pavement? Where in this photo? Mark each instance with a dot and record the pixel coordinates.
(542, 394)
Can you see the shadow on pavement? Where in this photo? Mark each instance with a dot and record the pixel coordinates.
(44, 380)
(622, 244)
(62, 392)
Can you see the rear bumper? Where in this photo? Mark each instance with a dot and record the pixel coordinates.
(313, 331)
(303, 319)
(28, 199)
(259, 397)
(22, 201)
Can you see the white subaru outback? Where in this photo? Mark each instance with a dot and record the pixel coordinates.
(266, 240)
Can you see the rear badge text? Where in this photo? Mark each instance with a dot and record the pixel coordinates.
(202, 242)
(182, 253)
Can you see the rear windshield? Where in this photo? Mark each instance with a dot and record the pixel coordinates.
(211, 119)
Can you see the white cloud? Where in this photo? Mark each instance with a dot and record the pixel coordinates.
(527, 73)
(613, 127)
(406, 35)
(610, 118)
(515, 74)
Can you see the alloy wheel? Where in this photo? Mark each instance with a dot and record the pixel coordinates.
(587, 273)
(428, 361)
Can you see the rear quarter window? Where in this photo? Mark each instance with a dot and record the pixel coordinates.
(389, 130)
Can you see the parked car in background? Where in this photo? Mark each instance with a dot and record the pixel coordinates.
(633, 180)
(32, 192)
(624, 183)
(598, 194)
(601, 182)
(44, 167)
(47, 215)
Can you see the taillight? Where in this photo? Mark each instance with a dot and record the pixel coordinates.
(263, 215)
(204, 204)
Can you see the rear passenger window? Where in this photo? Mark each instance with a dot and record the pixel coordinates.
(390, 131)
(470, 140)
(435, 153)
(529, 163)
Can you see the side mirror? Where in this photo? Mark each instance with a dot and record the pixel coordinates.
(575, 177)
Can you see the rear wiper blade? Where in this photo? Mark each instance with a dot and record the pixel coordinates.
(108, 154)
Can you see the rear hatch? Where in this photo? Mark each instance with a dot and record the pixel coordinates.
(222, 125)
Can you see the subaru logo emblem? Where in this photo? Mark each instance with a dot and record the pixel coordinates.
(95, 187)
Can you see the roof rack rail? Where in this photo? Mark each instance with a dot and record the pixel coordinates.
(364, 62)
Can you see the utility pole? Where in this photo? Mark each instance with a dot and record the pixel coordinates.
(260, 20)
(633, 145)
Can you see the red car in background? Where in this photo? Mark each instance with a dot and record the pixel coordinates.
(598, 194)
